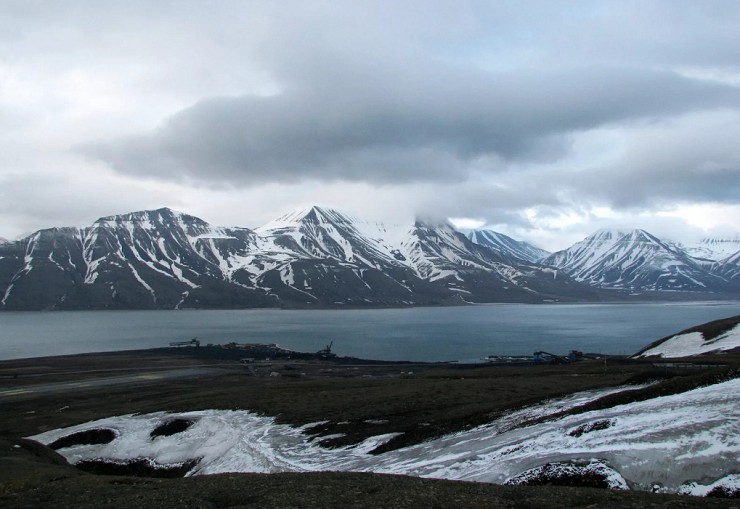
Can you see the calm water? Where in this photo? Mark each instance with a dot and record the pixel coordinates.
(425, 334)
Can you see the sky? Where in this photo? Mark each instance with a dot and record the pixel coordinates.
(543, 120)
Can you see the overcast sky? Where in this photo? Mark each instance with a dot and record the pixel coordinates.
(544, 120)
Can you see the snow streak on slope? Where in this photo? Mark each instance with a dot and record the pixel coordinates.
(669, 441)
(159, 240)
(693, 343)
(507, 246)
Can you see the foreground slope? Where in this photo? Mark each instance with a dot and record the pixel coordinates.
(443, 421)
(691, 440)
(61, 486)
(676, 435)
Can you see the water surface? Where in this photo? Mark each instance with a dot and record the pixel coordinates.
(424, 334)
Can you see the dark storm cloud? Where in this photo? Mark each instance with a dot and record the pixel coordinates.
(413, 124)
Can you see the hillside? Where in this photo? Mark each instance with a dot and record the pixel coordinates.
(708, 338)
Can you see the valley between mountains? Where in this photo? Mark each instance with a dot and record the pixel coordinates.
(320, 257)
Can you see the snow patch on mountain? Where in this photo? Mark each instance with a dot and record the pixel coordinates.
(729, 268)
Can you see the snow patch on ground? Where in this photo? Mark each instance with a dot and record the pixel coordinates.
(730, 485)
(693, 343)
(668, 441)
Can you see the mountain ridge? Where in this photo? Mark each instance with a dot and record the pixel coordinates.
(321, 257)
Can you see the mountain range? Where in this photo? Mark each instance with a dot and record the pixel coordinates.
(321, 257)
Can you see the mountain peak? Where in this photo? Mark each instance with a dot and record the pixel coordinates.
(163, 258)
(141, 215)
(159, 220)
(606, 234)
(425, 223)
(310, 214)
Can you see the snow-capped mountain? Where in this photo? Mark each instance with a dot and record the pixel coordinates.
(320, 255)
(440, 253)
(505, 244)
(162, 259)
(714, 248)
(312, 257)
(635, 261)
(150, 259)
(320, 232)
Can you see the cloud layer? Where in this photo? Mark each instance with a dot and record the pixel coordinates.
(432, 124)
(518, 114)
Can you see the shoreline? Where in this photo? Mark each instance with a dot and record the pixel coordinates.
(639, 299)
